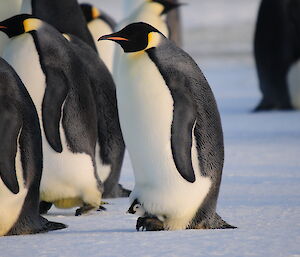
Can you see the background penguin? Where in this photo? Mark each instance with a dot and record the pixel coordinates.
(60, 89)
(276, 48)
(172, 130)
(110, 147)
(173, 18)
(20, 159)
(66, 16)
(150, 12)
(8, 9)
(99, 23)
(294, 71)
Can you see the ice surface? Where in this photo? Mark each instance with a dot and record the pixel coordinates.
(260, 190)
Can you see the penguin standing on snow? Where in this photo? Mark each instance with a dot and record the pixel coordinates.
(99, 24)
(172, 130)
(20, 159)
(110, 147)
(66, 16)
(277, 49)
(60, 89)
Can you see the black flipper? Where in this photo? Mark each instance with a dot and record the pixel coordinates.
(10, 125)
(55, 95)
(184, 118)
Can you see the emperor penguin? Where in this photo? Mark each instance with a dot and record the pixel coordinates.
(110, 146)
(277, 50)
(20, 159)
(99, 23)
(151, 12)
(172, 130)
(8, 9)
(60, 89)
(173, 19)
(66, 16)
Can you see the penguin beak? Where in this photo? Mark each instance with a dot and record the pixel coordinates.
(113, 38)
(3, 27)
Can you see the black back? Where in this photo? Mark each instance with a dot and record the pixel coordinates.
(276, 48)
(110, 136)
(19, 127)
(67, 89)
(66, 16)
(194, 105)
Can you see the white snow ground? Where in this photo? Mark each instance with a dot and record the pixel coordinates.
(260, 189)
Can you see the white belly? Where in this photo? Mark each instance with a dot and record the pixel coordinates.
(11, 204)
(65, 175)
(146, 112)
(105, 48)
(294, 85)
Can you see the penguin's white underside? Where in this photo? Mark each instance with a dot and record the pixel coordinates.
(11, 204)
(66, 174)
(294, 84)
(105, 49)
(146, 112)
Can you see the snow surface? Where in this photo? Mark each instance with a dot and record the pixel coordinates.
(260, 189)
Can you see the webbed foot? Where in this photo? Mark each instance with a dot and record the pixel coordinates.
(84, 209)
(149, 224)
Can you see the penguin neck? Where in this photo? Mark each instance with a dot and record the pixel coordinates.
(26, 6)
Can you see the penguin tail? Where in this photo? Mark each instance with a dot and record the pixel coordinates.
(264, 105)
(219, 223)
(51, 225)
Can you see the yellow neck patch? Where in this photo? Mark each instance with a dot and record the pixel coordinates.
(67, 36)
(95, 13)
(153, 39)
(32, 24)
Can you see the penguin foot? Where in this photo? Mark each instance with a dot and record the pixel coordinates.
(84, 209)
(44, 207)
(149, 224)
(101, 208)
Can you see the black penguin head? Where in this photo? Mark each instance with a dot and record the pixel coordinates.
(90, 12)
(135, 37)
(136, 207)
(167, 5)
(19, 24)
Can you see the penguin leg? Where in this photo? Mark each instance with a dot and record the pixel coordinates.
(84, 209)
(149, 224)
(45, 207)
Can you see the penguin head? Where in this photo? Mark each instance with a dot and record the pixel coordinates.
(167, 5)
(90, 12)
(136, 208)
(19, 24)
(135, 37)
